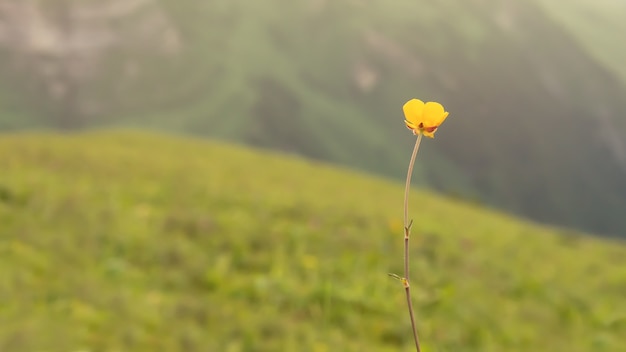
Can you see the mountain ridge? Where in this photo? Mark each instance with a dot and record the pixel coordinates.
(531, 108)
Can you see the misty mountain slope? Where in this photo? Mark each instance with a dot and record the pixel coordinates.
(535, 115)
(598, 25)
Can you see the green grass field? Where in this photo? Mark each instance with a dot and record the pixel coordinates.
(121, 241)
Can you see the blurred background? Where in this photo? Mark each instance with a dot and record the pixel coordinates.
(225, 175)
(536, 89)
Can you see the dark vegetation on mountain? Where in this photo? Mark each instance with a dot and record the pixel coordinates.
(537, 121)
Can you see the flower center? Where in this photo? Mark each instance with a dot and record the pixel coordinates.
(427, 129)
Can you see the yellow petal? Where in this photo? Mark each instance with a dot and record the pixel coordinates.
(410, 125)
(413, 111)
(434, 114)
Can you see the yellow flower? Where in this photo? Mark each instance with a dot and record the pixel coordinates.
(423, 118)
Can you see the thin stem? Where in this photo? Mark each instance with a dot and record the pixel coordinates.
(408, 180)
(410, 305)
(407, 231)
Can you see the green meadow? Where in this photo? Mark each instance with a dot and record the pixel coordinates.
(126, 241)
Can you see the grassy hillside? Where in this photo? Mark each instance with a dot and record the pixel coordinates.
(122, 241)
